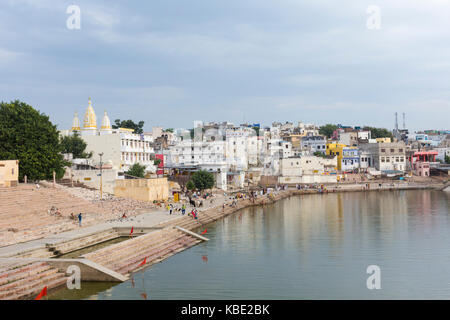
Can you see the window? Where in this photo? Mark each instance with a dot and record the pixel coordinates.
(392, 150)
(397, 159)
(388, 159)
(400, 150)
(382, 159)
(383, 150)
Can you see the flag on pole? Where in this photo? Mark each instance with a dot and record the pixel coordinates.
(131, 232)
(143, 262)
(42, 294)
(204, 231)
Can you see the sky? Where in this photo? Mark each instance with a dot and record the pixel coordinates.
(172, 62)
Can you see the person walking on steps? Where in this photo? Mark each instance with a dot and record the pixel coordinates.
(79, 219)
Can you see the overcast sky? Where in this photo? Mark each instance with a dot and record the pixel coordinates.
(175, 61)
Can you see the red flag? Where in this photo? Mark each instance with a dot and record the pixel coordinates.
(132, 228)
(143, 262)
(204, 231)
(42, 294)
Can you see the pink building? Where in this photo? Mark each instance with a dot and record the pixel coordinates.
(420, 162)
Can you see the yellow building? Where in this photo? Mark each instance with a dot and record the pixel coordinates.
(383, 140)
(9, 173)
(142, 189)
(347, 157)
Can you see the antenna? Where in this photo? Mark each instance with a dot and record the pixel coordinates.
(396, 122)
(404, 123)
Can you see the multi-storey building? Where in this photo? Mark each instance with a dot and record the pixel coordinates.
(385, 156)
(120, 147)
(314, 144)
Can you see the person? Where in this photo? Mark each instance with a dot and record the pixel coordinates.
(124, 216)
(183, 209)
(170, 208)
(37, 186)
(79, 219)
(196, 214)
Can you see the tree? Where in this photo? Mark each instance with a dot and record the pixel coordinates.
(28, 136)
(156, 162)
(190, 185)
(129, 124)
(319, 154)
(328, 129)
(447, 159)
(203, 180)
(379, 132)
(75, 145)
(136, 170)
(169, 130)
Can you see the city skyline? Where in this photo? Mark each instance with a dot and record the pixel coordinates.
(172, 63)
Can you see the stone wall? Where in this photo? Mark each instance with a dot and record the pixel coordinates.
(142, 189)
(9, 173)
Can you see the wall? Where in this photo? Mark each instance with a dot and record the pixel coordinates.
(109, 144)
(142, 189)
(309, 178)
(91, 178)
(9, 173)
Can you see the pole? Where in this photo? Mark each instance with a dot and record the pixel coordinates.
(101, 176)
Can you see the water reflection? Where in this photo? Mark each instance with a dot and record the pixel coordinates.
(312, 247)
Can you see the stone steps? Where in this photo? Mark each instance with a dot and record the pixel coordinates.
(147, 249)
(29, 280)
(123, 249)
(86, 241)
(163, 253)
(127, 256)
(26, 273)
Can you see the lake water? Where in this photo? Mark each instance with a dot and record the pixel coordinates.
(308, 247)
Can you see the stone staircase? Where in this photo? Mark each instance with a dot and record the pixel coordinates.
(81, 242)
(126, 257)
(26, 280)
(24, 212)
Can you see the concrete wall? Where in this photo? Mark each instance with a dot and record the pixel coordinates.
(142, 189)
(109, 144)
(309, 178)
(9, 173)
(91, 178)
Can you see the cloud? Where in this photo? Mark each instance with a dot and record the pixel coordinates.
(225, 61)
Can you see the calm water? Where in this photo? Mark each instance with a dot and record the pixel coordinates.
(308, 247)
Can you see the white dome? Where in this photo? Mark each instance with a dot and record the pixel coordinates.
(106, 123)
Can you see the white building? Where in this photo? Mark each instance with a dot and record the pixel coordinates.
(121, 147)
(308, 169)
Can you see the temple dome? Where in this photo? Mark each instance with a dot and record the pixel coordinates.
(76, 122)
(106, 123)
(90, 119)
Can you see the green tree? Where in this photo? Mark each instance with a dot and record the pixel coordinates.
(190, 185)
(136, 170)
(156, 162)
(203, 180)
(129, 124)
(447, 159)
(379, 132)
(319, 154)
(169, 130)
(328, 129)
(28, 136)
(75, 145)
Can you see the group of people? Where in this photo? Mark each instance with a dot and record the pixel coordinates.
(79, 217)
